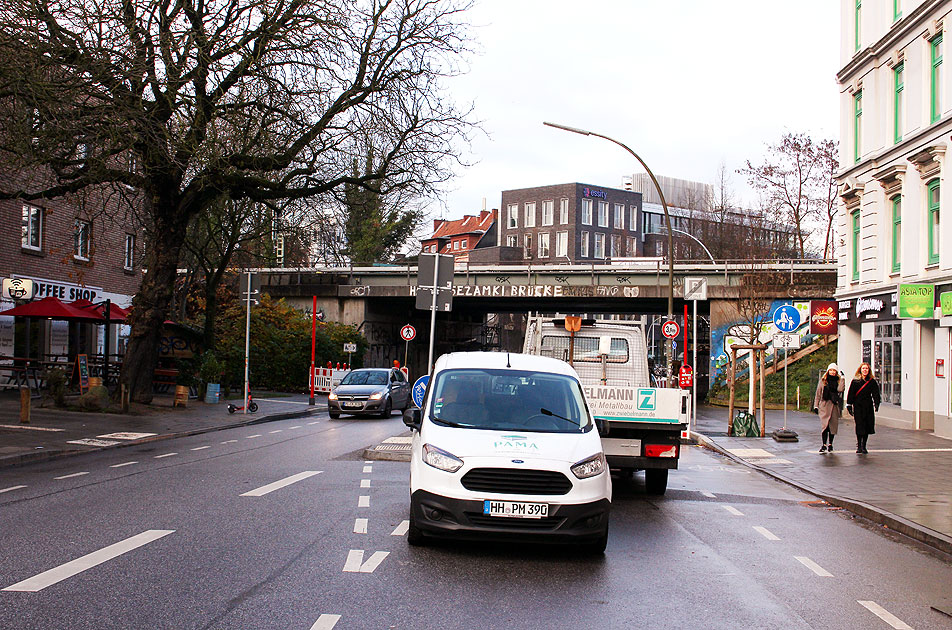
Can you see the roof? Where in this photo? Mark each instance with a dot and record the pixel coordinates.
(467, 225)
(503, 360)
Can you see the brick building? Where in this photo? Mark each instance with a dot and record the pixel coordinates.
(461, 236)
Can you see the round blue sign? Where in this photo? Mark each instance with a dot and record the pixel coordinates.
(786, 318)
(419, 390)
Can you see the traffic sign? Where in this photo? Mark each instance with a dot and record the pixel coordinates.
(670, 329)
(407, 333)
(350, 347)
(787, 340)
(419, 390)
(786, 318)
(695, 288)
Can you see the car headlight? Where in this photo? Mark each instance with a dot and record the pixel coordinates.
(332, 396)
(438, 458)
(377, 395)
(590, 467)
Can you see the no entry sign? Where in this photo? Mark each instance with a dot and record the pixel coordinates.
(407, 333)
(670, 329)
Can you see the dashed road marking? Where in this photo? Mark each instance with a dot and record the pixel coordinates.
(813, 566)
(310, 423)
(368, 469)
(57, 574)
(732, 510)
(766, 533)
(326, 622)
(360, 526)
(79, 474)
(281, 483)
(355, 561)
(401, 529)
(275, 431)
(363, 501)
(166, 455)
(248, 437)
(369, 461)
(123, 464)
(11, 488)
(297, 426)
(885, 615)
(200, 448)
(229, 441)
(365, 483)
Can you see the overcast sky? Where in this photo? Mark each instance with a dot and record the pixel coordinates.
(687, 84)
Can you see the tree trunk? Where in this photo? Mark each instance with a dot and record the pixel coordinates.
(211, 313)
(151, 303)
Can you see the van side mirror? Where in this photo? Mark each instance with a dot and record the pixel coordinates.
(413, 418)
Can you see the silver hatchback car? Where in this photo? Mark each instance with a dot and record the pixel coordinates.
(370, 391)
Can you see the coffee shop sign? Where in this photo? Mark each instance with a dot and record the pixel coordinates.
(67, 292)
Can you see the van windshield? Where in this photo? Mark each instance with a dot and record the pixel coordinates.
(509, 400)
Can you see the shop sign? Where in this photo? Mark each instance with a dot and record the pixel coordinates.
(945, 301)
(823, 317)
(64, 291)
(592, 192)
(916, 301)
(869, 305)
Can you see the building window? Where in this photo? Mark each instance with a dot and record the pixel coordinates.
(130, 252)
(897, 103)
(563, 211)
(854, 253)
(857, 20)
(513, 215)
(561, 244)
(81, 231)
(548, 212)
(897, 9)
(512, 241)
(527, 246)
(619, 216)
(31, 231)
(602, 214)
(857, 125)
(586, 211)
(652, 223)
(933, 222)
(279, 249)
(633, 218)
(896, 233)
(455, 244)
(616, 246)
(544, 245)
(530, 214)
(936, 100)
(584, 252)
(631, 248)
(599, 245)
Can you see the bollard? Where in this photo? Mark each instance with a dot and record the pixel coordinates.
(124, 397)
(24, 405)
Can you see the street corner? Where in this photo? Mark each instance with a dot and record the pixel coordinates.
(393, 449)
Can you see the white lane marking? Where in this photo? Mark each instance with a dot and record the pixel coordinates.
(326, 622)
(910, 450)
(365, 483)
(368, 469)
(709, 495)
(248, 437)
(310, 423)
(200, 448)
(766, 533)
(123, 464)
(401, 529)
(11, 488)
(363, 501)
(732, 510)
(369, 461)
(27, 427)
(355, 561)
(813, 566)
(166, 455)
(277, 485)
(297, 426)
(885, 615)
(71, 568)
(79, 474)
(750, 452)
(360, 526)
(126, 435)
(92, 442)
(275, 431)
(229, 441)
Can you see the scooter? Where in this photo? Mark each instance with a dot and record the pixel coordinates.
(251, 404)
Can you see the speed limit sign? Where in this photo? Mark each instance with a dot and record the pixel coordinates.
(407, 333)
(670, 329)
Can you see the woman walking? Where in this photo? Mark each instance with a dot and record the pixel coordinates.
(828, 403)
(862, 400)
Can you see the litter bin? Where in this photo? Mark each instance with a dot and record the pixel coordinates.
(745, 425)
(212, 393)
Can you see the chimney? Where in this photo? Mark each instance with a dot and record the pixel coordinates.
(436, 224)
(484, 212)
(484, 205)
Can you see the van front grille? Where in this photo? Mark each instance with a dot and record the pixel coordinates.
(505, 522)
(516, 481)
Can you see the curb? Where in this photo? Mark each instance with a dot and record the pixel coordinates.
(11, 461)
(920, 533)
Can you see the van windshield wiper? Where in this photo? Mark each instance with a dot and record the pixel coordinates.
(546, 412)
(450, 423)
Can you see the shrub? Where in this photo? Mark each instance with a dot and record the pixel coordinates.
(96, 399)
(56, 381)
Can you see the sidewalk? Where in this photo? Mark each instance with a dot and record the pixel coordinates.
(54, 433)
(903, 483)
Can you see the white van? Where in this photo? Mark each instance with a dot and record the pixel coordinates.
(505, 448)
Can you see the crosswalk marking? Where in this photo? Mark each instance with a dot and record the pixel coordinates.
(368, 469)
(885, 615)
(813, 566)
(732, 510)
(360, 526)
(355, 561)
(277, 485)
(123, 464)
(326, 622)
(766, 533)
(11, 488)
(47, 578)
(401, 529)
(363, 501)
(79, 474)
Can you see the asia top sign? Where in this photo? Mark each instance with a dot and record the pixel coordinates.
(916, 301)
(945, 301)
(824, 315)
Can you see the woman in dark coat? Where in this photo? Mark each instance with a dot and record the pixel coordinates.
(862, 400)
(828, 404)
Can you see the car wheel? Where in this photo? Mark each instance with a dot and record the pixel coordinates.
(387, 409)
(334, 414)
(414, 536)
(656, 480)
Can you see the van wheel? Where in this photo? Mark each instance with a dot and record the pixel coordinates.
(414, 535)
(656, 480)
(598, 547)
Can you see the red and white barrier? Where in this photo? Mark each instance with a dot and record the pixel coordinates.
(326, 379)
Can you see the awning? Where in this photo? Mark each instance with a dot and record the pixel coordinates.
(52, 308)
(116, 312)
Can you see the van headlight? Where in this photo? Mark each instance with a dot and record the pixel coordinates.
(438, 458)
(590, 467)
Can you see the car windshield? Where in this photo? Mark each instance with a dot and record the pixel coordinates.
(365, 377)
(509, 400)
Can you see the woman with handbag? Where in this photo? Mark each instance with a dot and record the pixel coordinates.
(828, 404)
(861, 401)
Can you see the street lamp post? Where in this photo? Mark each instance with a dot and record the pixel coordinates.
(667, 220)
(695, 239)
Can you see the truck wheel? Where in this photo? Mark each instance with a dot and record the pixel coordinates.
(656, 480)
(414, 535)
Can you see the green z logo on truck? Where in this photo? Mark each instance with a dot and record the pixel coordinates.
(646, 399)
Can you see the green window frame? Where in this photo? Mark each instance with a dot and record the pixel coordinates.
(936, 78)
(897, 9)
(932, 225)
(897, 102)
(857, 15)
(896, 233)
(855, 244)
(857, 125)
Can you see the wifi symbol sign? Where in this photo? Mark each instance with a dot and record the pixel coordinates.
(17, 288)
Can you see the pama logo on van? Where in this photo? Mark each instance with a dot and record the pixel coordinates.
(515, 442)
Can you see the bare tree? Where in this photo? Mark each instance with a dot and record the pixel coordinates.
(191, 101)
(825, 196)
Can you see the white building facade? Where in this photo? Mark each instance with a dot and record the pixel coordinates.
(895, 214)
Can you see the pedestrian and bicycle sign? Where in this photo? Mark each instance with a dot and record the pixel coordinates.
(407, 333)
(790, 341)
(670, 329)
(786, 318)
(419, 390)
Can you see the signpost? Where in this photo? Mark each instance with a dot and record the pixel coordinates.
(350, 349)
(434, 289)
(408, 334)
(694, 289)
(786, 319)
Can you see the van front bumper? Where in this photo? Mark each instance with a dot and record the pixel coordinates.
(441, 516)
